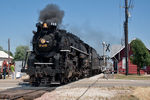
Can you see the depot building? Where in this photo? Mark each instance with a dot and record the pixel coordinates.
(118, 57)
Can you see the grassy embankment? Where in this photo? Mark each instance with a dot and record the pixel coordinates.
(132, 77)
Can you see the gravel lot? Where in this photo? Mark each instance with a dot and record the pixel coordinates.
(97, 88)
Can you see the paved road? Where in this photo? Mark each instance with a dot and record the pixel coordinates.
(8, 83)
(110, 83)
(98, 81)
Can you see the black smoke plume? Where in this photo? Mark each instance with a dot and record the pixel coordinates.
(51, 13)
(94, 37)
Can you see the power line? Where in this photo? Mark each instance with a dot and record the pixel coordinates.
(130, 3)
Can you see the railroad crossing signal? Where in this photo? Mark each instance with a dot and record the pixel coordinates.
(108, 47)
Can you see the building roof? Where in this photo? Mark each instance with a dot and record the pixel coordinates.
(4, 55)
(115, 49)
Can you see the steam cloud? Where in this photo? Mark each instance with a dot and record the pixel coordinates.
(51, 13)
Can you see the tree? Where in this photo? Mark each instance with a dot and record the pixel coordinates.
(20, 52)
(141, 56)
(10, 53)
(1, 48)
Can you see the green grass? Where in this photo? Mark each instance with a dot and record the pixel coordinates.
(132, 77)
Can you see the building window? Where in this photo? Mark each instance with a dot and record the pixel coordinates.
(144, 67)
(123, 63)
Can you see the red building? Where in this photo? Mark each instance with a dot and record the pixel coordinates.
(118, 57)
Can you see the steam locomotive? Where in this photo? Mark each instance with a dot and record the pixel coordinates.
(59, 57)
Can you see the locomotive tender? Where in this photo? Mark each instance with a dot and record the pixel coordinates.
(59, 57)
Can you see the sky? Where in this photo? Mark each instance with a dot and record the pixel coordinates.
(94, 21)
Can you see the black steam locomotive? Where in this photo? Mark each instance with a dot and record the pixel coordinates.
(59, 57)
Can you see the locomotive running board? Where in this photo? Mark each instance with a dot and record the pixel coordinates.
(79, 50)
(43, 63)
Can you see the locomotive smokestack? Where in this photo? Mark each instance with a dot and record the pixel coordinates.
(51, 14)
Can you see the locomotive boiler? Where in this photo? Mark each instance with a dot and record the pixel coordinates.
(59, 57)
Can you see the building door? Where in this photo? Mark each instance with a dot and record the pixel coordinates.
(115, 66)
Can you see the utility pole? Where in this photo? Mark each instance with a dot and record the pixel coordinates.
(126, 34)
(8, 55)
(103, 43)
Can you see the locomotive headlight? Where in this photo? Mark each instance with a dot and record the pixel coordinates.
(43, 41)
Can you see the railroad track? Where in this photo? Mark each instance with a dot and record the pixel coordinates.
(25, 93)
(29, 93)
